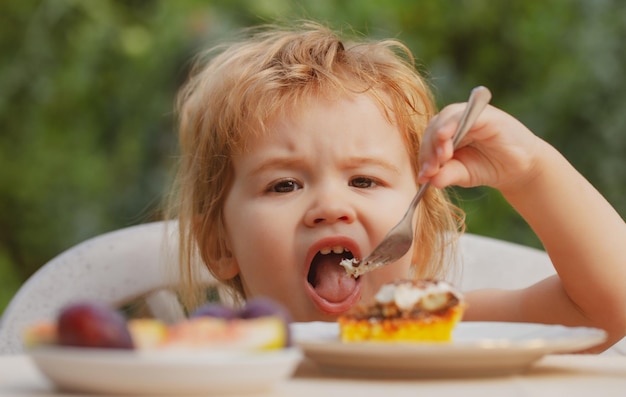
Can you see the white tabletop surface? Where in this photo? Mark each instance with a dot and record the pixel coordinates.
(554, 375)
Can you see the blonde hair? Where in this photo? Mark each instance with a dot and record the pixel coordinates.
(235, 91)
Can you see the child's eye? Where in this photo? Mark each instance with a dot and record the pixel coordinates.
(362, 182)
(284, 186)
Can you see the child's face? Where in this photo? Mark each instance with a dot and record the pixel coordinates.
(334, 175)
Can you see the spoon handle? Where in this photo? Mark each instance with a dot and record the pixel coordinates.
(478, 100)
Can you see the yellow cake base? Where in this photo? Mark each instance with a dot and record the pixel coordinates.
(434, 329)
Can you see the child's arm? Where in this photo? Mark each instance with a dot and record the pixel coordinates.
(584, 236)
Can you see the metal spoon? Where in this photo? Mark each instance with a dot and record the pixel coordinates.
(400, 238)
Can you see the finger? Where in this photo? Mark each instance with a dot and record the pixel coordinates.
(441, 127)
(451, 173)
(437, 147)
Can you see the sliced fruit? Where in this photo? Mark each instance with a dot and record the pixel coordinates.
(260, 324)
(253, 334)
(148, 333)
(42, 333)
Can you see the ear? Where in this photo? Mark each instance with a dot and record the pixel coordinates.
(226, 268)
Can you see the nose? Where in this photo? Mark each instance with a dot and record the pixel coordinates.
(329, 206)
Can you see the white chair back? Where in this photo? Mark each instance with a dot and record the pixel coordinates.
(486, 262)
(115, 267)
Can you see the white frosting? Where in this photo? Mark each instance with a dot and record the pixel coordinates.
(405, 295)
(348, 264)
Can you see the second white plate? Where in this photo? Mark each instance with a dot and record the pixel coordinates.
(478, 349)
(175, 373)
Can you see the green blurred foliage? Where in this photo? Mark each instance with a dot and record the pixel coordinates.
(87, 134)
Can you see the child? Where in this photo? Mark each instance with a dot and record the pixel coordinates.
(299, 149)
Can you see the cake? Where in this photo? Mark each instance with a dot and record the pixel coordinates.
(406, 311)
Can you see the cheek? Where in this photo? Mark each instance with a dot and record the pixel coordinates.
(261, 242)
(399, 270)
(385, 214)
(250, 224)
(266, 265)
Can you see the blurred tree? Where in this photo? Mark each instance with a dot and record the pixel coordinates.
(85, 105)
(87, 138)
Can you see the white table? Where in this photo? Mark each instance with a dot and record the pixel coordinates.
(554, 375)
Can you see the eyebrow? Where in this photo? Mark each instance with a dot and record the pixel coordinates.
(354, 162)
(350, 162)
(276, 163)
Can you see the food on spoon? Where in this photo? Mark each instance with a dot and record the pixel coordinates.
(260, 325)
(406, 311)
(352, 267)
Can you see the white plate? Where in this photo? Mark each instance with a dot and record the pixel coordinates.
(164, 372)
(477, 349)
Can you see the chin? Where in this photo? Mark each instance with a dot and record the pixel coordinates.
(319, 316)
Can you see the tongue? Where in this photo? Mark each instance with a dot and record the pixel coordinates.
(331, 281)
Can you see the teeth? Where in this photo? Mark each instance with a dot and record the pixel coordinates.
(338, 249)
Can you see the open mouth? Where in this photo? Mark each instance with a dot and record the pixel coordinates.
(328, 278)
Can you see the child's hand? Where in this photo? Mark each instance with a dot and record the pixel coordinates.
(498, 151)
